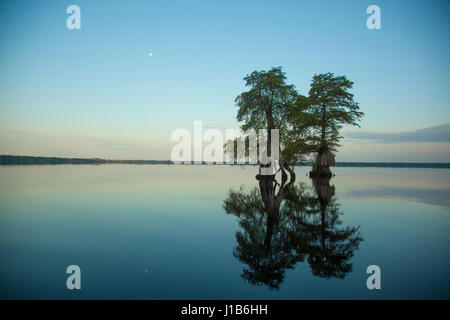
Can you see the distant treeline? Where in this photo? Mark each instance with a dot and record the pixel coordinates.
(28, 160)
(437, 165)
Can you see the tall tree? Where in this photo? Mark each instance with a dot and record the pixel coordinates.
(271, 103)
(332, 106)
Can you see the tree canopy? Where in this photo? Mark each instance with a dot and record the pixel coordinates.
(271, 103)
(268, 102)
(308, 125)
(332, 106)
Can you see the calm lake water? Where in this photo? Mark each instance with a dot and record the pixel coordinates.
(178, 232)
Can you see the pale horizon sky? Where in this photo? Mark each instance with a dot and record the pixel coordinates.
(96, 92)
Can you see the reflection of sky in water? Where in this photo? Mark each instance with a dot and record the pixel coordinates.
(438, 197)
(116, 221)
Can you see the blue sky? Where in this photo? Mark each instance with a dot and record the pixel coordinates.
(97, 92)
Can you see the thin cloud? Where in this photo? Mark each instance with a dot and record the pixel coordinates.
(439, 133)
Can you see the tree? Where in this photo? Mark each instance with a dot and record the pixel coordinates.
(332, 106)
(270, 103)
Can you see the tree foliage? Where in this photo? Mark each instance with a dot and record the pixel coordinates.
(271, 103)
(331, 105)
(308, 125)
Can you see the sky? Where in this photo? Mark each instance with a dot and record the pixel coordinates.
(96, 91)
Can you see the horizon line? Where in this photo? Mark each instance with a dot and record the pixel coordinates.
(44, 160)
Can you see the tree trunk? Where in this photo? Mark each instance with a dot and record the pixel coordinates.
(322, 163)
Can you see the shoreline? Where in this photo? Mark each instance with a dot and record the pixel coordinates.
(6, 160)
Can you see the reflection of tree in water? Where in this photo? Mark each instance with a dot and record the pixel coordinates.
(283, 224)
(263, 243)
(329, 245)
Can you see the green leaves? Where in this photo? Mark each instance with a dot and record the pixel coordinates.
(305, 123)
(265, 104)
(333, 106)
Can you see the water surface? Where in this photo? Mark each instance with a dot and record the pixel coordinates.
(203, 232)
